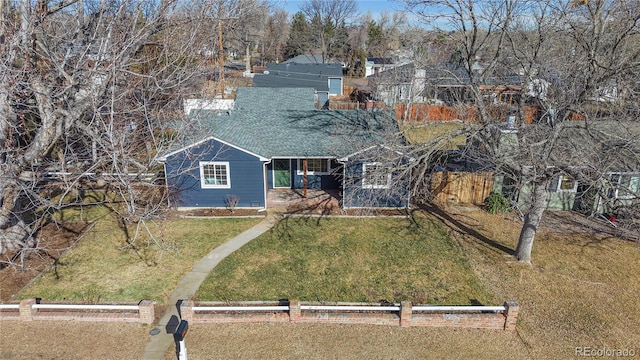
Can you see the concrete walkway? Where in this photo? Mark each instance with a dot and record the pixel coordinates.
(192, 280)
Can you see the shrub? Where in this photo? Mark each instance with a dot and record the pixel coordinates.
(497, 203)
(232, 202)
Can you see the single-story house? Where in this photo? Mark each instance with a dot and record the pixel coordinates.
(267, 144)
(594, 166)
(325, 79)
(375, 65)
(588, 171)
(403, 83)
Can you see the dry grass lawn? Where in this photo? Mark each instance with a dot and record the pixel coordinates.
(581, 291)
(418, 134)
(47, 340)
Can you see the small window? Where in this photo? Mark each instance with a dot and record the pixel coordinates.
(625, 185)
(375, 176)
(315, 167)
(214, 175)
(567, 183)
(564, 183)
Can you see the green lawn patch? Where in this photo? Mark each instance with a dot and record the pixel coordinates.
(104, 266)
(338, 259)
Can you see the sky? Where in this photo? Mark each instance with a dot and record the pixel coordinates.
(375, 6)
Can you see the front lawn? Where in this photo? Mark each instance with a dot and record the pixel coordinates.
(349, 259)
(105, 267)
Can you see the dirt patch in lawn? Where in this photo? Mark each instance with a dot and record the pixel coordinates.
(53, 241)
(292, 210)
(219, 212)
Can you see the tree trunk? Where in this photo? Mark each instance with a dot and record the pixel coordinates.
(531, 221)
(14, 232)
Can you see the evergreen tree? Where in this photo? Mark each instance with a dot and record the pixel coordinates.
(375, 39)
(340, 48)
(300, 37)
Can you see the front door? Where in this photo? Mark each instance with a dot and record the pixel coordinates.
(282, 173)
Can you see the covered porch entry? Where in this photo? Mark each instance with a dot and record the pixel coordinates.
(301, 173)
(310, 184)
(294, 200)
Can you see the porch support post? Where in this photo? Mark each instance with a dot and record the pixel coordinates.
(304, 178)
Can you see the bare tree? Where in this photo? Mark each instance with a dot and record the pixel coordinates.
(85, 87)
(573, 60)
(383, 34)
(275, 36)
(327, 19)
(245, 27)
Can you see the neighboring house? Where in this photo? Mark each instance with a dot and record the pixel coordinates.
(375, 65)
(325, 79)
(578, 152)
(273, 139)
(617, 186)
(310, 59)
(450, 85)
(402, 84)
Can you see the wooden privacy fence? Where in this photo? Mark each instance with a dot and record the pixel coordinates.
(461, 187)
(466, 113)
(33, 309)
(404, 315)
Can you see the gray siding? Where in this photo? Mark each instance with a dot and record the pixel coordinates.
(335, 86)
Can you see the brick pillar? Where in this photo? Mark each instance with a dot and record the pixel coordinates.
(26, 309)
(406, 313)
(294, 311)
(511, 315)
(186, 310)
(147, 313)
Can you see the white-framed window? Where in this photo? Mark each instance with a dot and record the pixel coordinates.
(214, 175)
(564, 183)
(376, 176)
(625, 185)
(315, 167)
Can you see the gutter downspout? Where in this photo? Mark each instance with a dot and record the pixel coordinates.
(266, 184)
(344, 173)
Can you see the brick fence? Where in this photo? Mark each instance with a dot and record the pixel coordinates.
(403, 315)
(33, 310)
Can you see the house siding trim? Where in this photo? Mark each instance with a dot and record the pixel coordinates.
(356, 196)
(163, 158)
